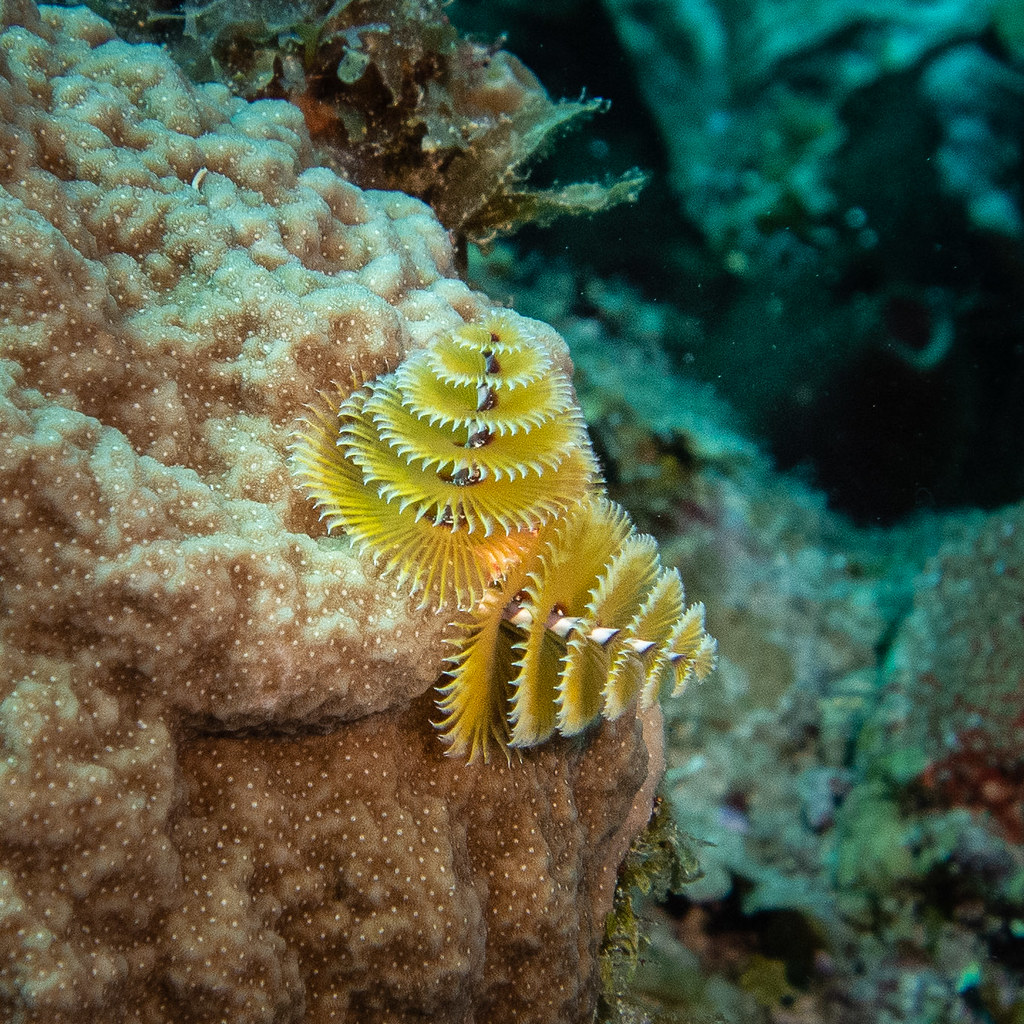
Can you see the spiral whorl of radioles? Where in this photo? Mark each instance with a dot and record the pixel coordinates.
(468, 470)
(446, 467)
(584, 626)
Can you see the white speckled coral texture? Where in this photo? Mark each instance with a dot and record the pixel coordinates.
(177, 282)
(177, 278)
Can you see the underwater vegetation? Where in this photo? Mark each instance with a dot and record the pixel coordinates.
(395, 98)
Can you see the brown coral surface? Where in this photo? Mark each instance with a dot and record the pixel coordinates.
(222, 797)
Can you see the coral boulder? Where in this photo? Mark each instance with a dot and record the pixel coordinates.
(223, 798)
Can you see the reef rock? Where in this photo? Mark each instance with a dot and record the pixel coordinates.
(223, 797)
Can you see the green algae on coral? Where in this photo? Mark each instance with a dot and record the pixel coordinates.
(660, 861)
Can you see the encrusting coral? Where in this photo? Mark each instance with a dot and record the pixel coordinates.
(954, 676)
(223, 798)
(470, 471)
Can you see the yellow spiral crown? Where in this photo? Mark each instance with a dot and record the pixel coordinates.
(470, 471)
(583, 625)
(445, 467)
